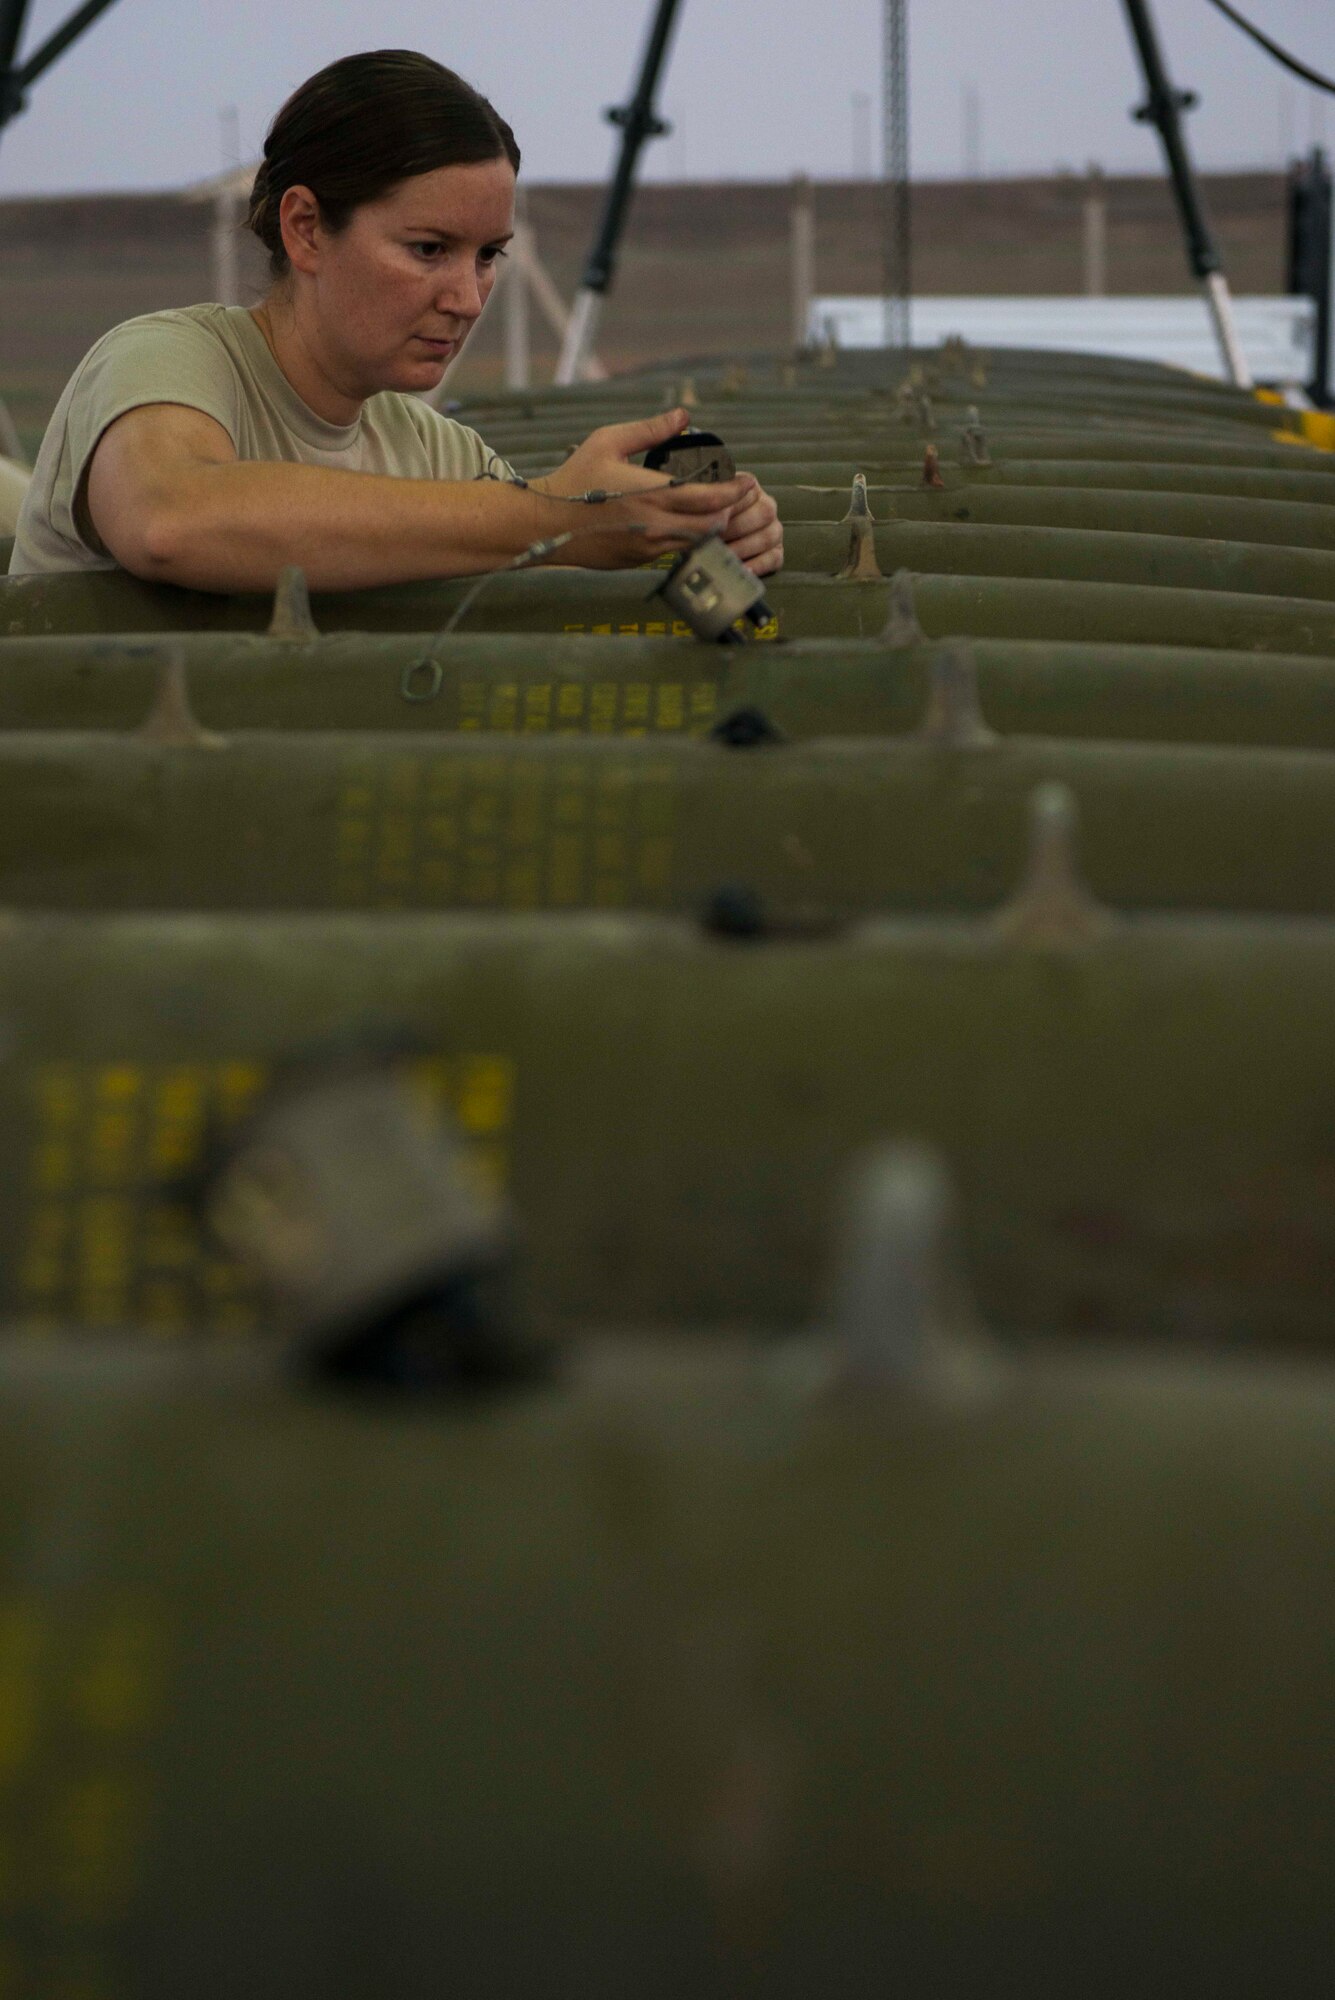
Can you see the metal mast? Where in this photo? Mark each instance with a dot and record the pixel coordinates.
(1163, 108)
(639, 123)
(896, 246)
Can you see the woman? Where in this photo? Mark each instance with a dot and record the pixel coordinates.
(213, 445)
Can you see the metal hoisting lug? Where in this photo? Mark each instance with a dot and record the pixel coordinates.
(1052, 905)
(953, 718)
(901, 626)
(859, 506)
(899, 1310)
(292, 618)
(974, 439)
(861, 565)
(170, 720)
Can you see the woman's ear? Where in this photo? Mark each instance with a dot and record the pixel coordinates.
(299, 220)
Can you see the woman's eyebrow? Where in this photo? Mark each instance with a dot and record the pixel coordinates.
(449, 235)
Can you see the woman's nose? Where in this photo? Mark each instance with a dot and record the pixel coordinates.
(460, 292)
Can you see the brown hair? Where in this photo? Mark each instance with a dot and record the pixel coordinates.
(356, 129)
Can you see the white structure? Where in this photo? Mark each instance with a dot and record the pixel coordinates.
(1277, 334)
(13, 486)
(228, 193)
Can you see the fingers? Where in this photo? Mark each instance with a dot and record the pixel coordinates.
(766, 564)
(725, 498)
(663, 519)
(624, 440)
(759, 511)
(766, 542)
(755, 534)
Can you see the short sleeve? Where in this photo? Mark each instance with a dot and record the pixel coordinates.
(456, 452)
(157, 359)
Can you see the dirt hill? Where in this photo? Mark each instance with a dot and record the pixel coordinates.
(705, 267)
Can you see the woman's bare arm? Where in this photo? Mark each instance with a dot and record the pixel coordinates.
(173, 504)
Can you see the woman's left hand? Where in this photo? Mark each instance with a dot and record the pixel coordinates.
(755, 534)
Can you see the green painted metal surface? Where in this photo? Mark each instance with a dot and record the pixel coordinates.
(680, 1679)
(510, 683)
(705, 1667)
(623, 604)
(1137, 1123)
(1103, 556)
(1224, 517)
(779, 459)
(268, 821)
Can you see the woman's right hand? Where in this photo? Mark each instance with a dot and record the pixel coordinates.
(650, 517)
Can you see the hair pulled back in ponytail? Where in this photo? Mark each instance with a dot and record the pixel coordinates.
(356, 129)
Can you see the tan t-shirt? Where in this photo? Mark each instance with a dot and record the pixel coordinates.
(215, 359)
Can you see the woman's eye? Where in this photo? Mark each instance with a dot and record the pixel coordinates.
(491, 253)
(431, 251)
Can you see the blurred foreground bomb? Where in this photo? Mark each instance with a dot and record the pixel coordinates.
(356, 1211)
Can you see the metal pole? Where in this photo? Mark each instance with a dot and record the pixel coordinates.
(1095, 235)
(1311, 219)
(1162, 109)
(895, 242)
(515, 302)
(227, 212)
(973, 133)
(639, 122)
(802, 231)
(226, 222)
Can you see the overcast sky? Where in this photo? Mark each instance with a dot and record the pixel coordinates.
(758, 89)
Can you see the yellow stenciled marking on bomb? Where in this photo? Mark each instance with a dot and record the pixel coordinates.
(485, 1102)
(508, 830)
(134, 1253)
(670, 706)
(704, 702)
(635, 708)
(177, 1118)
(538, 707)
(603, 699)
(117, 1111)
(356, 805)
(480, 1091)
(88, 1685)
(503, 706)
(472, 705)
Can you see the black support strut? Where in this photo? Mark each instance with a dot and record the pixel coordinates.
(1309, 274)
(639, 122)
(16, 78)
(1163, 108)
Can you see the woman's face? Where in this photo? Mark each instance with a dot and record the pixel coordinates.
(396, 292)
